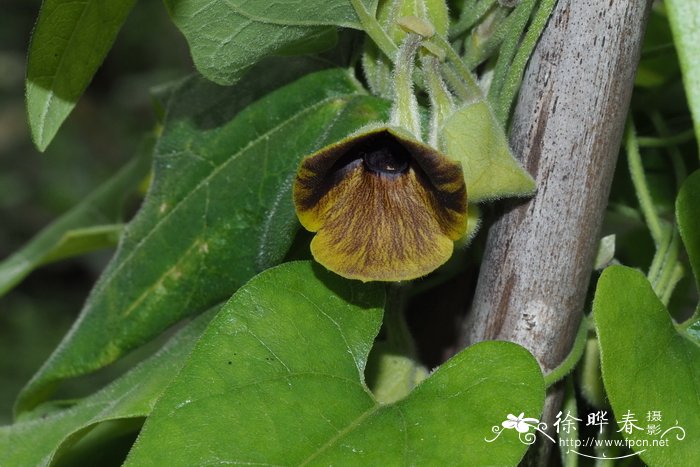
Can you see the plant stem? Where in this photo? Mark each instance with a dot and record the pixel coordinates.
(657, 262)
(634, 160)
(571, 360)
(527, 261)
(455, 82)
(670, 263)
(590, 377)
(514, 76)
(665, 270)
(675, 277)
(374, 30)
(674, 153)
(690, 321)
(471, 85)
(404, 112)
(393, 369)
(398, 335)
(441, 104)
(507, 52)
(666, 141)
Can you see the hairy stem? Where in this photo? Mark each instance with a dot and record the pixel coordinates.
(374, 30)
(641, 188)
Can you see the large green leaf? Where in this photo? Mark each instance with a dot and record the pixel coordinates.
(278, 379)
(219, 209)
(685, 24)
(228, 36)
(648, 366)
(84, 228)
(70, 40)
(688, 217)
(473, 136)
(39, 441)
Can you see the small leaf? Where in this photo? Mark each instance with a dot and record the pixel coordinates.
(647, 366)
(38, 441)
(606, 252)
(228, 36)
(76, 231)
(473, 137)
(278, 379)
(684, 17)
(70, 40)
(219, 209)
(391, 373)
(79, 241)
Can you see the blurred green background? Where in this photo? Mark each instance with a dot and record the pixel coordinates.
(99, 136)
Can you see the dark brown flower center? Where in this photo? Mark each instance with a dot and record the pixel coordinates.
(387, 159)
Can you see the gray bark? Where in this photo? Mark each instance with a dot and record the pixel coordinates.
(566, 129)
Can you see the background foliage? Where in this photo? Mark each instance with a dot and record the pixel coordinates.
(216, 211)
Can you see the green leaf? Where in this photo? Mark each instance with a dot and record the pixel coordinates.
(647, 366)
(684, 16)
(277, 378)
(391, 373)
(70, 40)
(219, 209)
(606, 252)
(78, 231)
(79, 241)
(41, 440)
(228, 36)
(448, 419)
(688, 220)
(687, 204)
(473, 137)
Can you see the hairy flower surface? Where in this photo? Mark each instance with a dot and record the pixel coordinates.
(385, 206)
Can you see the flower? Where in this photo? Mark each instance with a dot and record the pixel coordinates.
(384, 206)
(521, 424)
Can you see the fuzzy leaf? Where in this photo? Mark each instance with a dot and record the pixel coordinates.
(70, 40)
(228, 36)
(219, 209)
(647, 366)
(39, 441)
(684, 16)
(278, 379)
(473, 137)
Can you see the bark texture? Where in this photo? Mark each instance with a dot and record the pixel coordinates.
(566, 130)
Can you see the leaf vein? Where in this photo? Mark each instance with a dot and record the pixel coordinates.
(208, 178)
